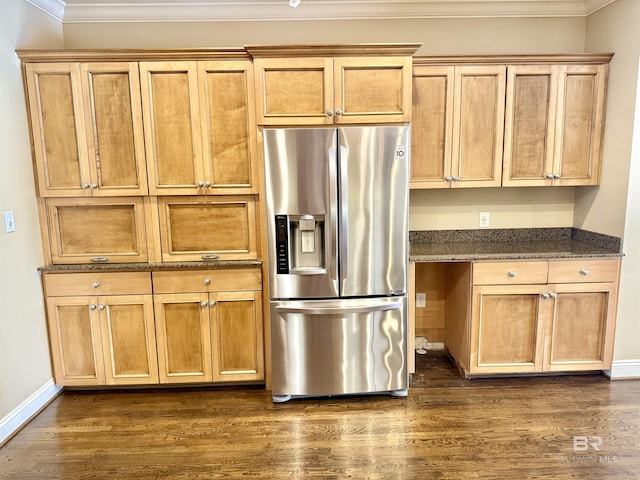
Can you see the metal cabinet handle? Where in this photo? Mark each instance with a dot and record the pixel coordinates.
(448, 178)
(330, 113)
(207, 281)
(338, 112)
(101, 307)
(210, 256)
(207, 184)
(556, 175)
(200, 184)
(584, 272)
(545, 296)
(95, 284)
(550, 176)
(94, 185)
(203, 303)
(553, 295)
(92, 307)
(84, 186)
(99, 259)
(456, 179)
(511, 274)
(212, 303)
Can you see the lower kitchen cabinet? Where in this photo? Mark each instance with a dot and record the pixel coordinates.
(211, 328)
(101, 339)
(532, 317)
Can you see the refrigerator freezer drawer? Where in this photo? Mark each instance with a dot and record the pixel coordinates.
(339, 347)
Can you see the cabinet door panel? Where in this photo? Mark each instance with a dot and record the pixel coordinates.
(478, 126)
(75, 339)
(294, 91)
(116, 143)
(172, 126)
(193, 227)
(57, 121)
(506, 336)
(237, 337)
(372, 89)
(128, 337)
(432, 115)
(226, 104)
(529, 125)
(581, 331)
(184, 338)
(98, 230)
(579, 124)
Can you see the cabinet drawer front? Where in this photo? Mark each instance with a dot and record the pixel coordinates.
(504, 273)
(114, 283)
(584, 270)
(207, 280)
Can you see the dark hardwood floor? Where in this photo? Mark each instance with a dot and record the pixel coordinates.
(580, 426)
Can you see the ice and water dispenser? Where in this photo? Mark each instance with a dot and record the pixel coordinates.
(300, 243)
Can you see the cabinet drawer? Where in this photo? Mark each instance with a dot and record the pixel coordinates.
(514, 272)
(584, 270)
(207, 280)
(115, 283)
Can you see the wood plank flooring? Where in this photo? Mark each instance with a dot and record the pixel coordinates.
(581, 426)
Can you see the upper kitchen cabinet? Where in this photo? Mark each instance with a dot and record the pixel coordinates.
(198, 127)
(86, 124)
(554, 124)
(457, 132)
(304, 85)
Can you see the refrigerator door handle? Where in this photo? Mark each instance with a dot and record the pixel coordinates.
(332, 258)
(339, 310)
(344, 214)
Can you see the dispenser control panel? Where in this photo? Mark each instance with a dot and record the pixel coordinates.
(282, 243)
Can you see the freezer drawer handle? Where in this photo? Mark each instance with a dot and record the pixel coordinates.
(339, 310)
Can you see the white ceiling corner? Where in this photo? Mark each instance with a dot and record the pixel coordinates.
(91, 11)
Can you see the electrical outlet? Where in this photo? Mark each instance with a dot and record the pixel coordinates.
(484, 219)
(421, 300)
(9, 222)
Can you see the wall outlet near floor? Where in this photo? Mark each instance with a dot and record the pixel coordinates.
(9, 222)
(484, 219)
(421, 300)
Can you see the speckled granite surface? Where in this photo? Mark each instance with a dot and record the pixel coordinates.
(505, 244)
(148, 267)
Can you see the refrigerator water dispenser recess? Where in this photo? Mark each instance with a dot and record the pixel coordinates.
(300, 244)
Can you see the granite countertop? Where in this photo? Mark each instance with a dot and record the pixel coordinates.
(506, 244)
(148, 267)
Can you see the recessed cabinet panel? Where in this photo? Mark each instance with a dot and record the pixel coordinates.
(57, 121)
(115, 136)
(97, 230)
(195, 228)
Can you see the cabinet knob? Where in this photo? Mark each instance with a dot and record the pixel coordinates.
(101, 307)
(448, 178)
(338, 112)
(545, 296)
(550, 176)
(92, 307)
(203, 303)
(584, 272)
(95, 284)
(556, 175)
(456, 179)
(94, 185)
(200, 184)
(84, 186)
(212, 303)
(207, 184)
(207, 281)
(511, 274)
(330, 113)
(553, 294)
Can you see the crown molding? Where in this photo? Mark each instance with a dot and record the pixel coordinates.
(100, 11)
(54, 8)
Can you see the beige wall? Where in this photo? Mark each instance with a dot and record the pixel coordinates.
(614, 209)
(24, 353)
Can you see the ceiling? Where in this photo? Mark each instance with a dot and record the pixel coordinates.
(88, 11)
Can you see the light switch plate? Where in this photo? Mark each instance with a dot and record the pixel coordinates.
(9, 222)
(421, 300)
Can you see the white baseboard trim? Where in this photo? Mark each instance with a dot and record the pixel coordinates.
(624, 369)
(19, 417)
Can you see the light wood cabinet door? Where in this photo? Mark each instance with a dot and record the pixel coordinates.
(478, 126)
(113, 112)
(227, 99)
(532, 92)
(172, 128)
(372, 89)
(128, 339)
(294, 91)
(207, 228)
(580, 332)
(184, 337)
(57, 117)
(236, 336)
(579, 124)
(507, 335)
(432, 126)
(104, 230)
(75, 339)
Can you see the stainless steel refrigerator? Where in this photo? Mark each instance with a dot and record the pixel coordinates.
(337, 225)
